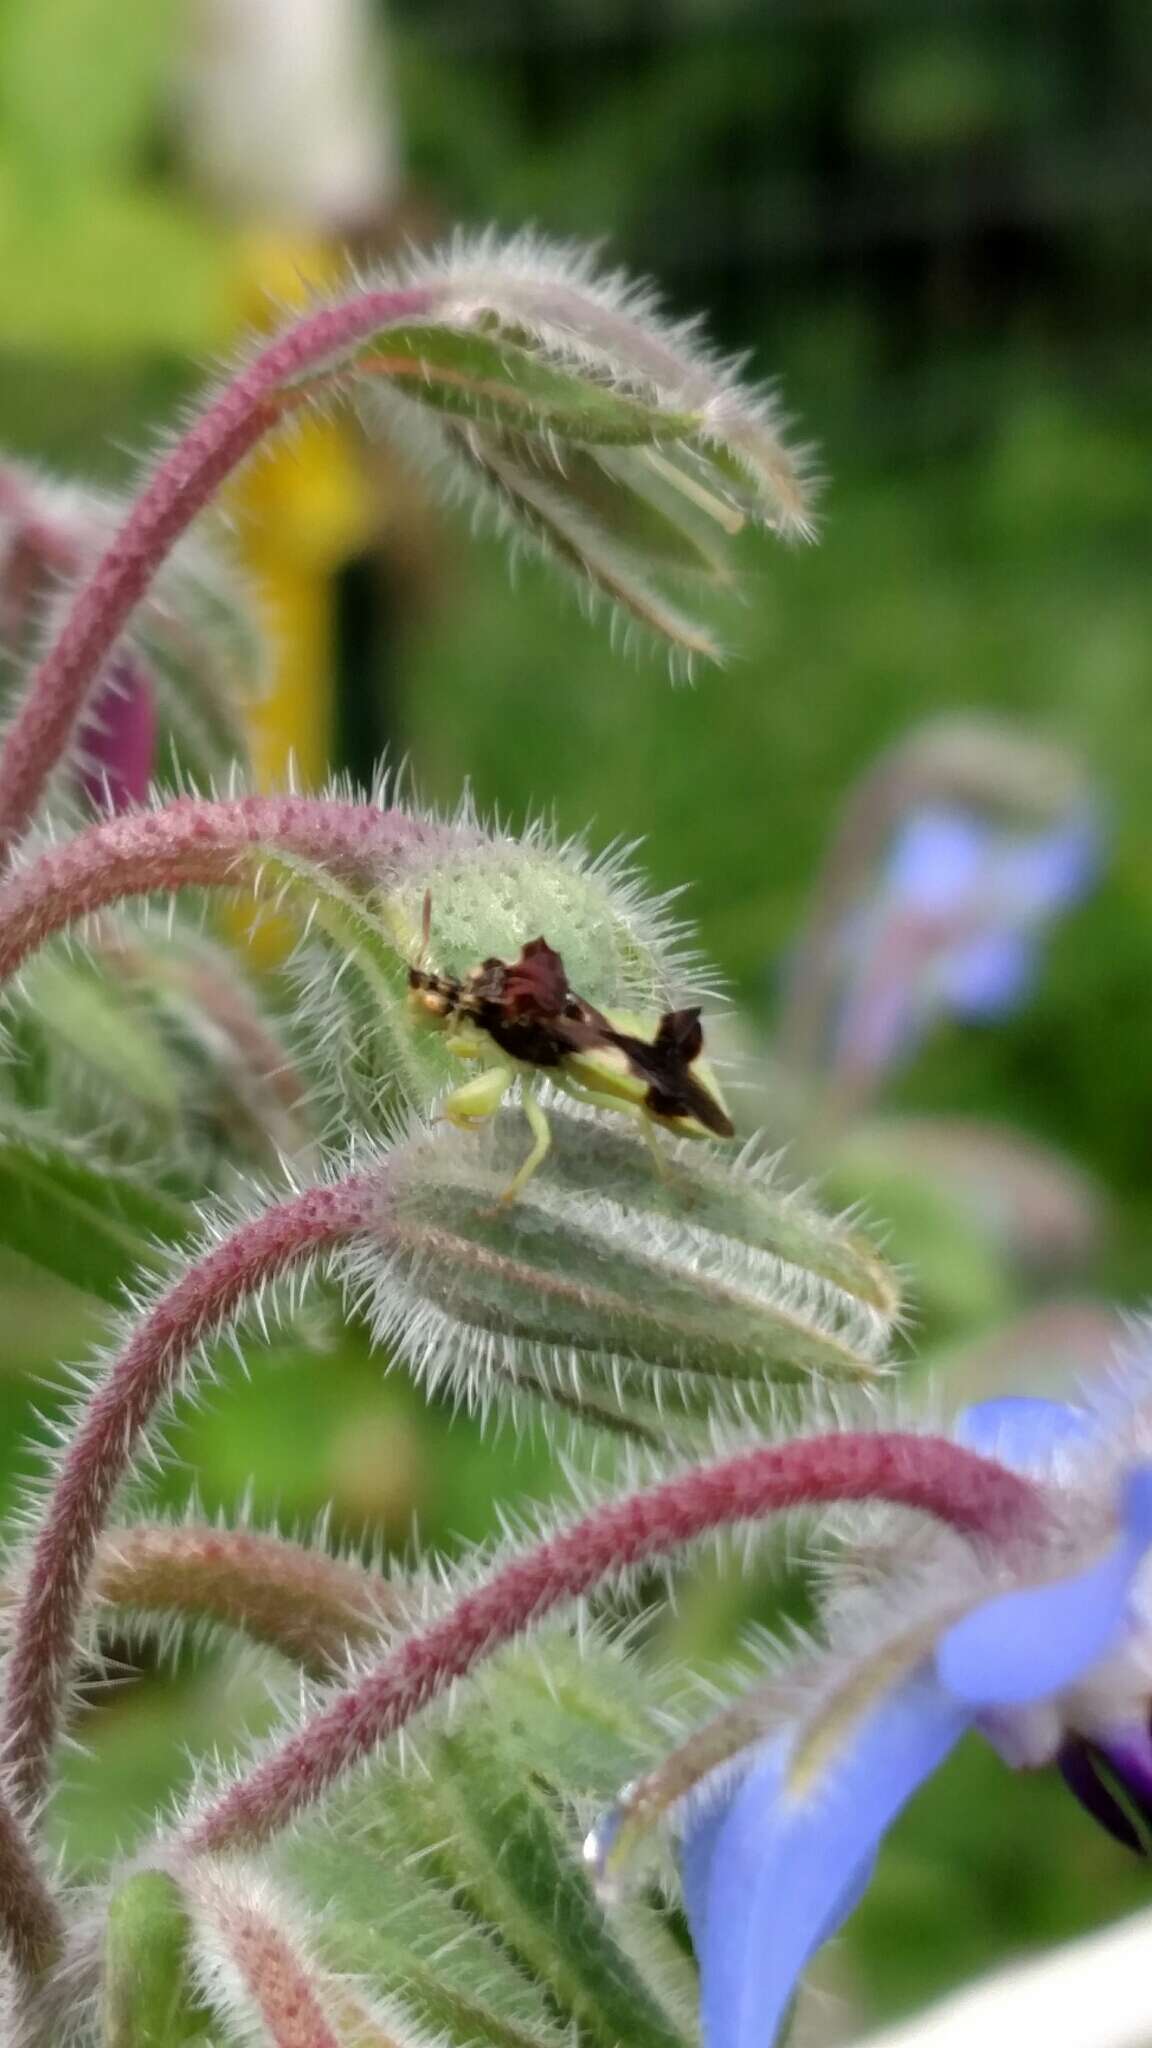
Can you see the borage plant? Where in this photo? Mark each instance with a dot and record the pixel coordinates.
(399, 1860)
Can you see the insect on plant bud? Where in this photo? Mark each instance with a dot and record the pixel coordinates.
(452, 896)
(522, 1018)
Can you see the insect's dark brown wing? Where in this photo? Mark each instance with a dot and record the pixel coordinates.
(665, 1064)
(686, 1097)
(536, 984)
(680, 1035)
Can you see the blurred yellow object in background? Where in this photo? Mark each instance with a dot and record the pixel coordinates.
(302, 508)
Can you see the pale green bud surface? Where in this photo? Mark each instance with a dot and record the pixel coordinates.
(149, 1999)
(649, 1299)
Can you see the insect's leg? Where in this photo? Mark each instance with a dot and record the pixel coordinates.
(462, 1046)
(479, 1098)
(542, 1138)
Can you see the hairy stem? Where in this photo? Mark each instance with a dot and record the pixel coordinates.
(280, 1982)
(975, 1495)
(100, 1454)
(31, 1929)
(192, 842)
(186, 480)
(295, 1599)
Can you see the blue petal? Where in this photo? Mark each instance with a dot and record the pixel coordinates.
(1022, 1430)
(936, 859)
(987, 976)
(772, 1872)
(1039, 875)
(1026, 1645)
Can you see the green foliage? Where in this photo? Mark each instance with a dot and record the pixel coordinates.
(84, 1219)
(449, 1876)
(985, 544)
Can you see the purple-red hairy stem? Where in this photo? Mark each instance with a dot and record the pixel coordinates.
(191, 843)
(31, 1930)
(980, 1498)
(100, 1454)
(183, 484)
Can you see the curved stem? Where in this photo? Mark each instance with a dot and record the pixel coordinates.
(31, 1929)
(982, 1499)
(100, 1455)
(296, 1599)
(192, 842)
(186, 480)
(280, 1984)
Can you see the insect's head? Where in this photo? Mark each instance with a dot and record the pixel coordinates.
(434, 996)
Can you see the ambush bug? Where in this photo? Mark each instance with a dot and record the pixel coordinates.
(521, 1018)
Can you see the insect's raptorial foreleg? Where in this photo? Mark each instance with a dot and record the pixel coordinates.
(464, 1042)
(479, 1098)
(542, 1139)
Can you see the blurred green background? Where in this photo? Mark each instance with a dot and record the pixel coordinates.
(933, 222)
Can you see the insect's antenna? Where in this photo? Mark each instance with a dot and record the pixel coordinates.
(425, 930)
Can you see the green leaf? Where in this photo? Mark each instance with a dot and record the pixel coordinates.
(494, 380)
(391, 1923)
(620, 493)
(103, 1023)
(90, 1223)
(149, 2001)
(454, 1882)
(512, 1859)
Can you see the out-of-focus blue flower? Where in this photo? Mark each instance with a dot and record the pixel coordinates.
(955, 924)
(1051, 1662)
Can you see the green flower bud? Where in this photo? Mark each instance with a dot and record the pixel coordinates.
(652, 1300)
(487, 894)
(149, 1999)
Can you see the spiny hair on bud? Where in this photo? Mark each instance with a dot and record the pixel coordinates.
(614, 326)
(728, 440)
(567, 1292)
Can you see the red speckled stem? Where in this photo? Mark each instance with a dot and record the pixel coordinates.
(308, 353)
(194, 842)
(972, 1494)
(100, 1455)
(290, 1995)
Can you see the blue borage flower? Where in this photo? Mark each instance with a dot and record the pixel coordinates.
(1046, 1652)
(955, 923)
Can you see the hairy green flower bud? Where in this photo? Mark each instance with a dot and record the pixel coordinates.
(485, 894)
(649, 1299)
(149, 2000)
